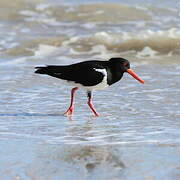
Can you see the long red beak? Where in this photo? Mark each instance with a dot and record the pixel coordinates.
(133, 74)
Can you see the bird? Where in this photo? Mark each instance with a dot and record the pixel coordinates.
(90, 75)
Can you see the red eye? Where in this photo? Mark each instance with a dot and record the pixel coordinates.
(125, 64)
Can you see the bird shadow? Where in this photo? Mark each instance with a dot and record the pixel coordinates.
(28, 114)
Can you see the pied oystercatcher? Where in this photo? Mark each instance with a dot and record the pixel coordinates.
(90, 75)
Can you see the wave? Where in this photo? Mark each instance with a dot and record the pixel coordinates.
(148, 42)
(160, 41)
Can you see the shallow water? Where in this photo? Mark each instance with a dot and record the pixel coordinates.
(137, 135)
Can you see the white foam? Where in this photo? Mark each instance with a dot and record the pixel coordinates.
(49, 21)
(98, 49)
(45, 50)
(147, 52)
(174, 33)
(146, 34)
(39, 17)
(28, 13)
(99, 12)
(125, 36)
(25, 30)
(89, 25)
(14, 62)
(105, 37)
(42, 7)
(101, 52)
(71, 40)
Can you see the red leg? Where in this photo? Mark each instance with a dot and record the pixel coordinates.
(71, 107)
(90, 103)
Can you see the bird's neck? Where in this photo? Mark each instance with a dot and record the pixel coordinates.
(113, 76)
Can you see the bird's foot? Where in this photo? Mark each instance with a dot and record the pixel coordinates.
(69, 112)
(96, 114)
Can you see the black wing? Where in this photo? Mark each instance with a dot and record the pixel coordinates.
(84, 73)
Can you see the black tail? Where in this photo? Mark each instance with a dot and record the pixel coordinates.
(41, 70)
(55, 71)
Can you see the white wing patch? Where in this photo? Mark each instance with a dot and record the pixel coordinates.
(103, 84)
(103, 71)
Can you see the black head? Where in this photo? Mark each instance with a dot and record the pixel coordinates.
(122, 65)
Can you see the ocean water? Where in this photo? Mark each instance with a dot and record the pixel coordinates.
(137, 135)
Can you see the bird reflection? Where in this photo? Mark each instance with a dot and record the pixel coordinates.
(82, 151)
(94, 157)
